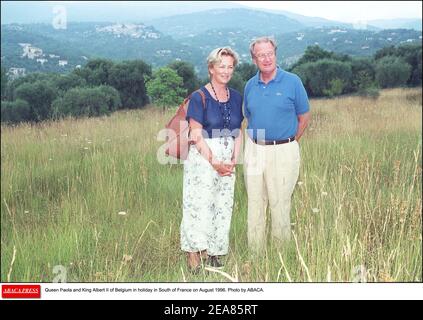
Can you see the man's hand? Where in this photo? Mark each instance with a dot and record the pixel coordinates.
(303, 120)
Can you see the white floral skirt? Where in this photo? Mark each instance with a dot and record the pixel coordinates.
(207, 201)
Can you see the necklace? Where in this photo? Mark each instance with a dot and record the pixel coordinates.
(225, 109)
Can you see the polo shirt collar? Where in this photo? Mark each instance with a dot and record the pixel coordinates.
(278, 77)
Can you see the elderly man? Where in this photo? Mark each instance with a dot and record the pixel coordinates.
(277, 108)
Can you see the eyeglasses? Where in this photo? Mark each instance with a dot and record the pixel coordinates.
(262, 56)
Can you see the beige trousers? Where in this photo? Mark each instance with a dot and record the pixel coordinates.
(270, 174)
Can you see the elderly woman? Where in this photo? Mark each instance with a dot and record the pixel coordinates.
(209, 179)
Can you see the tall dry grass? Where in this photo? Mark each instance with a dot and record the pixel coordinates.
(89, 195)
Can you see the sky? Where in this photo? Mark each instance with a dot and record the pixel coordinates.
(345, 11)
(358, 12)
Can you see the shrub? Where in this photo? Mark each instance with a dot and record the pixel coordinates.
(15, 111)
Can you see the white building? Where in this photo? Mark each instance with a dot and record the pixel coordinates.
(42, 61)
(62, 63)
(14, 73)
(337, 31)
(31, 52)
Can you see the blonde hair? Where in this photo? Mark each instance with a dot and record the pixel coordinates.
(216, 56)
(261, 40)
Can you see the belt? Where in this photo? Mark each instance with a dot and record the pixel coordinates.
(273, 142)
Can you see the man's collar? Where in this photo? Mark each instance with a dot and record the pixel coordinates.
(278, 77)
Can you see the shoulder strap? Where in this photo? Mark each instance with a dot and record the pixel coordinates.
(203, 97)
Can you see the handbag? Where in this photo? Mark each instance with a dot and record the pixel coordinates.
(177, 135)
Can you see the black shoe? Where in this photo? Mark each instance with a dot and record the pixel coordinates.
(214, 262)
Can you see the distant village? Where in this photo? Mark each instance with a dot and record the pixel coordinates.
(31, 52)
(140, 31)
(131, 30)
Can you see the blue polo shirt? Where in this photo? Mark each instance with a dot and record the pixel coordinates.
(211, 116)
(275, 106)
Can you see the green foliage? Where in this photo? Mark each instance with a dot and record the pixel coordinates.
(128, 78)
(69, 81)
(363, 73)
(392, 71)
(81, 40)
(386, 51)
(325, 77)
(112, 98)
(410, 53)
(15, 111)
(30, 78)
(246, 71)
(166, 88)
(39, 96)
(237, 82)
(243, 72)
(3, 83)
(80, 102)
(391, 66)
(335, 88)
(96, 71)
(316, 53)
(123, 84)
(40, 36)
(186, 71)
(313, 54)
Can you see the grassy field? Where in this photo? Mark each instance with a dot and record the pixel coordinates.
(90, 196)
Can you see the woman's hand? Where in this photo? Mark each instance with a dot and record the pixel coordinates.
(232, 165)
(222, 169)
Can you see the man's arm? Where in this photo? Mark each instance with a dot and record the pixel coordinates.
(303, 120)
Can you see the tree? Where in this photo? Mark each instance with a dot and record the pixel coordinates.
(246, 71)
(325, 77)
(237, 82)
(313, 54)
(129, 79)
(166, 88)
(30, 78)
(39, 96)
(15, 111)
(3, 83)
(386, 51)
(112, 97)
(363, 73)
(186, 71)
(411, 54)
(81, 102)
(316, 53)
(392, 72)
(96, 71)
(335, 87)
(69, 81)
